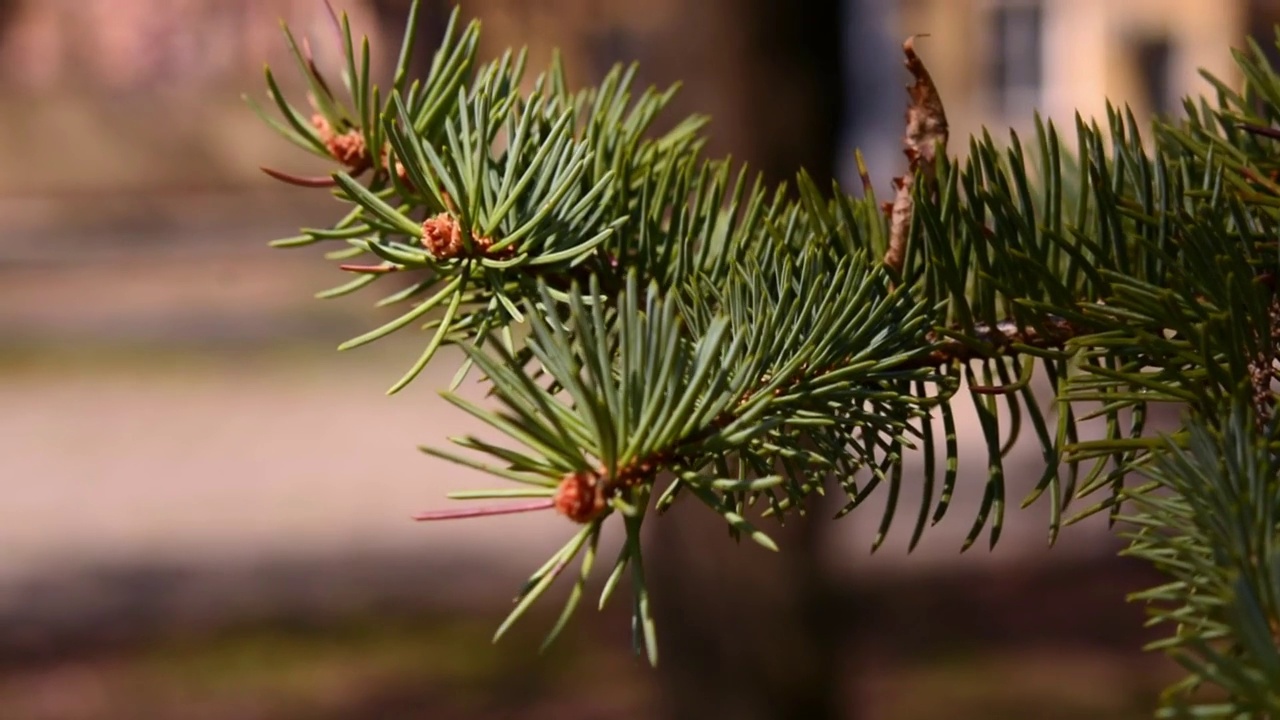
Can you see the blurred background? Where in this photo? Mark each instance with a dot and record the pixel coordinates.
(204, 508)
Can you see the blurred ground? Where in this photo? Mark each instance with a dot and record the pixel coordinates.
(206, 516)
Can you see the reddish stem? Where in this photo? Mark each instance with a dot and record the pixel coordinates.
(370, 269)
(300, 181)
(337, 23)
(315, 71)
(506, 509)
(1268, 132)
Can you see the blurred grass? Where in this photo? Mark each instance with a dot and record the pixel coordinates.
(363, 666)
(1021, 684)
(442, 666)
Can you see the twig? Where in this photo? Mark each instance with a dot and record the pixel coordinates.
(1002, 335)
(1268, 132)
(322, 181)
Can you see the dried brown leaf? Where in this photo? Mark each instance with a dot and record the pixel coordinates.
(926, 136)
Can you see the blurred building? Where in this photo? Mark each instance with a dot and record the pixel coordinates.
(995, 61)
(154, 46)
(144, 96)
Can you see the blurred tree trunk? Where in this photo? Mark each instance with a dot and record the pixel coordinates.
(1260, 23)
(792, 86)
(743, 632)
(432, 17)
(10, 11)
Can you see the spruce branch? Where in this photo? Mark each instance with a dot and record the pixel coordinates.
(1212, 529)
(654, 325)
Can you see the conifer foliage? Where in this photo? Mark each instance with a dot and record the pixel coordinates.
(657, 326)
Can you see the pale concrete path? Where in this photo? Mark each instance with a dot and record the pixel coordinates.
(215, 463)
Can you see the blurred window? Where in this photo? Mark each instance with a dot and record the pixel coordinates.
(1017, 67)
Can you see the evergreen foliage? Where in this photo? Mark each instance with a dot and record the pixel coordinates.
(655, 324)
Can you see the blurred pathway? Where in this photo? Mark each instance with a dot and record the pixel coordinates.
(169, 483)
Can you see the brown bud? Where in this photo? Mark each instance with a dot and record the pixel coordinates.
(442, 237)
(580, 497)
(349, 149)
